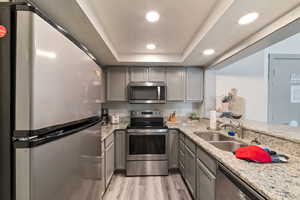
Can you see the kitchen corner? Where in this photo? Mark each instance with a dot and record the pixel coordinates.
(274, 181)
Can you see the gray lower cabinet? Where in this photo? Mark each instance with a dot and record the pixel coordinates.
(120, 150)
(103, 185)
(176, 84)
(190, 170)
(117, 79)
(173, 149)
(205, 182)
(194, 84)
(109, 159)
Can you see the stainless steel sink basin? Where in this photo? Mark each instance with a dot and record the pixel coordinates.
(210, 136)
(230, 146)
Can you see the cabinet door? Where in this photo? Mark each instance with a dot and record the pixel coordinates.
(109, 163)
(190, 170)
(138, 74)
(205, 182)
(120, 155)
(116, 83)
(102, 186)
(176, 84)
(173, 149)
(157, 74)
(194, 84)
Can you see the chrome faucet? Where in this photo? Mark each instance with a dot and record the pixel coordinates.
(237, 127)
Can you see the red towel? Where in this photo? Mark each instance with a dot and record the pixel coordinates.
(253, 153)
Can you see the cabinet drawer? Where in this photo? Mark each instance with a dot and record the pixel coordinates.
(181, 168)
(181, 156)
(205, 183)
(181, 137)
(109, 140)
(181, 146)
(190, 144)
(209, 162)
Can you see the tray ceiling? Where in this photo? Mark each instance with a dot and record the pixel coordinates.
(117, 33)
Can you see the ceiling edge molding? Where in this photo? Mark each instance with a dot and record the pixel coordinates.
(90, 13)
(213, 18)
(241, 49)
(211, 21)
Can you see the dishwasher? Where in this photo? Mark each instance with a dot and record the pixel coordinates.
(230, 187)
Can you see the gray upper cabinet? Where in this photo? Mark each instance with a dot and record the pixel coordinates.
(157, 74)
(117, 84)
(194, 84)
(138, 74)
(176, 84)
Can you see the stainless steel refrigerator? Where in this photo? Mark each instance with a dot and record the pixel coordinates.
(49, 111)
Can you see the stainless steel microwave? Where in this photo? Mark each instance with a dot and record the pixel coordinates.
(147, 92)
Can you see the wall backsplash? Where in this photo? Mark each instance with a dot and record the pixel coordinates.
(182, 109)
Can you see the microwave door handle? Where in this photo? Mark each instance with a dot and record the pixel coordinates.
(158, 93)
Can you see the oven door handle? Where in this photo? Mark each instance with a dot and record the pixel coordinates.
(147, 133)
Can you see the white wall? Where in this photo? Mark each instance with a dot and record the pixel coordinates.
(209, 93)
(287, 46)
(248, 76)
(182, 109)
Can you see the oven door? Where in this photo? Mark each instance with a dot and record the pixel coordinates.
(147, 145)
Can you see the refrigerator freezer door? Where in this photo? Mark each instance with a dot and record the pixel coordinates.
(56, 82)
(5, 104)
(67, 168)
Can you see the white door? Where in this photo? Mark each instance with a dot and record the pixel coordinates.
(284, 88)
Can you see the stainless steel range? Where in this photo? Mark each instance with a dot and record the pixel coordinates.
(146, 144)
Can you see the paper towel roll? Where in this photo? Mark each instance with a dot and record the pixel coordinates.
(213, 120)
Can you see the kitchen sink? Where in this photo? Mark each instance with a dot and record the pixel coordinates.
(210, 136)
(230, 146)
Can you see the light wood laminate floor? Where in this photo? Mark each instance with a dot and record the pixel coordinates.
(169, 187)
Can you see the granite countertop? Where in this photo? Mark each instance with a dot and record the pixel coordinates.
(110, 128)
(274, 181)
(275, 130)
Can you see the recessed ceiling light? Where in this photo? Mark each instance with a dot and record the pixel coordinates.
(152, 16)
(247, 19)
(151, 46)
(208, 52)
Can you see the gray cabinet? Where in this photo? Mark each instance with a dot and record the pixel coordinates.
(109, 159)
(138, 74)
(157, 74)
(190, 170)
(181, 152)
(102, 185)
(176, 84)
(117, 79)
(120, 150)
(194, 84)
(173, 149)
(205, 182)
